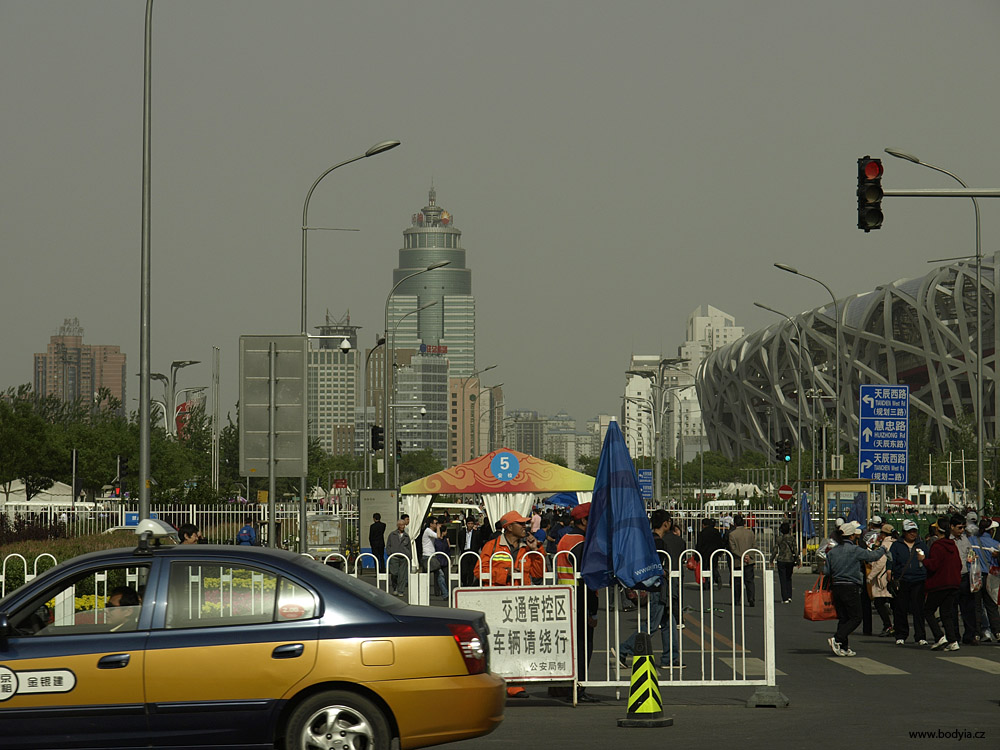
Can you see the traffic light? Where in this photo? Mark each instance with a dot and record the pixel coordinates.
(124, 466)
(378, 438)
(779, 450)
(399, 449)
(869, 193)
(786, 451)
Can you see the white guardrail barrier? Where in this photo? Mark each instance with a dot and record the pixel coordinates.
(539, 633)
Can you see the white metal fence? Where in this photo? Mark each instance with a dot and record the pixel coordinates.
(217, 523)
(718, 644)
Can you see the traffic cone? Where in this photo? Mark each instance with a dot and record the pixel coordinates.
(645, 707)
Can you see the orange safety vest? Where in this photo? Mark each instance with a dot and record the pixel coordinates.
(500, 569)
(565, 573)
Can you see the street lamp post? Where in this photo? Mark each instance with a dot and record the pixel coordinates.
(472, 398)
(176, 365)
(491, 409)
(980, 427)
(364, 435)
(664, 364)
(391, 354)
(836, 311)
(378, 148)
(392, 337)
(195, 390)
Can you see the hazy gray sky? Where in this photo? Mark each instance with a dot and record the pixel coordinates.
(611, 165)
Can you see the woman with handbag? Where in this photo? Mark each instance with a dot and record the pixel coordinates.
(843, 565)
(879, 580)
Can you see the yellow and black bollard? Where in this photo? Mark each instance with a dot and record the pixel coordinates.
(645, 707)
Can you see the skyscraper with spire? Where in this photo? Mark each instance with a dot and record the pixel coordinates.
(448, 328)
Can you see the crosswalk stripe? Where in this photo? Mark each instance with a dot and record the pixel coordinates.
(865, 665)
(975, 662)
(754, 667)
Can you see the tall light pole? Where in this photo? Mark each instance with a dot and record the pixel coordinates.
(364, 435)
(491, 409)
(836, 311)
(392, 337)
(980, 427)
(473, 424)
(799, 392)
(391, 355)
(378, 148)
(177, 364)
(195, 390)
(664, 364)
(144, 435)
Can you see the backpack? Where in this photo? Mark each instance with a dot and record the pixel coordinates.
(245, 535)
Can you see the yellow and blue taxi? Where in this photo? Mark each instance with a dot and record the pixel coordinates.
(197, 646)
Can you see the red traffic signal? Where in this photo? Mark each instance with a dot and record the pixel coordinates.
(869, 193)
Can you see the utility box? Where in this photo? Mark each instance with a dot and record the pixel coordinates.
(323, 535)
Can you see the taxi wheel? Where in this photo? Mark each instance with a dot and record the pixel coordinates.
(337, 720)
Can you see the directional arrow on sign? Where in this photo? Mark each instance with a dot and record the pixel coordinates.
(865, 465)
(867, 432)
(869, 400)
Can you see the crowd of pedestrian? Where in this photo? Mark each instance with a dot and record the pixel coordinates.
(939, 583)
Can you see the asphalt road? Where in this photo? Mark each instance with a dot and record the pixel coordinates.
(880, 696)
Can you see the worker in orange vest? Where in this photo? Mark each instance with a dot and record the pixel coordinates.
(504, 555)
(507, 554)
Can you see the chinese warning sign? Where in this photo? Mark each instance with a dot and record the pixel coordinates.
(532, 632)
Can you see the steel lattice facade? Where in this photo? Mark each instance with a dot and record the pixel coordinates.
(919, 332)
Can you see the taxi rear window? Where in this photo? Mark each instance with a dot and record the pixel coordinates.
(361, 589)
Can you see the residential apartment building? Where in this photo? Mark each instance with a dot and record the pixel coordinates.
(71, 370)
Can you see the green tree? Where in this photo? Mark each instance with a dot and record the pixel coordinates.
(552, 458)
(418, 464)
(588, 464)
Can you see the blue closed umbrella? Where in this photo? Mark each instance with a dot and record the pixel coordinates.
(808, 530)
(859, 510)
(563, 499)
(619, 542)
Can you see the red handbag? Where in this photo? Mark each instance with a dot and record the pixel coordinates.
(819, 603)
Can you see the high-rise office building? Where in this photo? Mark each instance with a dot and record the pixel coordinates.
(334, 382)
(449, 326)
(421, 408)
(71, 370)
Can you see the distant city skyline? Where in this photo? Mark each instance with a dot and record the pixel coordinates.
(611, 169)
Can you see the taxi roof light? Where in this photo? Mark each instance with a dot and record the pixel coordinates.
(152, 528)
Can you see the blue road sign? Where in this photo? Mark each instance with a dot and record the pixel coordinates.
(132, 519)
(883, 433)
(645, 483)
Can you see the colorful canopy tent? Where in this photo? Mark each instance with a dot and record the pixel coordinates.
(505, 479)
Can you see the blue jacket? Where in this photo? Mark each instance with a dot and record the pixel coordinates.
(900, 554)
(843, 562)
(982, 544)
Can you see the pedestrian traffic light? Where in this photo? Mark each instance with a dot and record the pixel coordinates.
(779, 451)
(869, 193)
(124, 466)
(399, 449)
(786, 451)
(378, 438)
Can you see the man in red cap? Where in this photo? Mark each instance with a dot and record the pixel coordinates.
(506, 554)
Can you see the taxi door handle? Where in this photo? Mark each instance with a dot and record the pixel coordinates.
(288, 651)
(113, 661)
